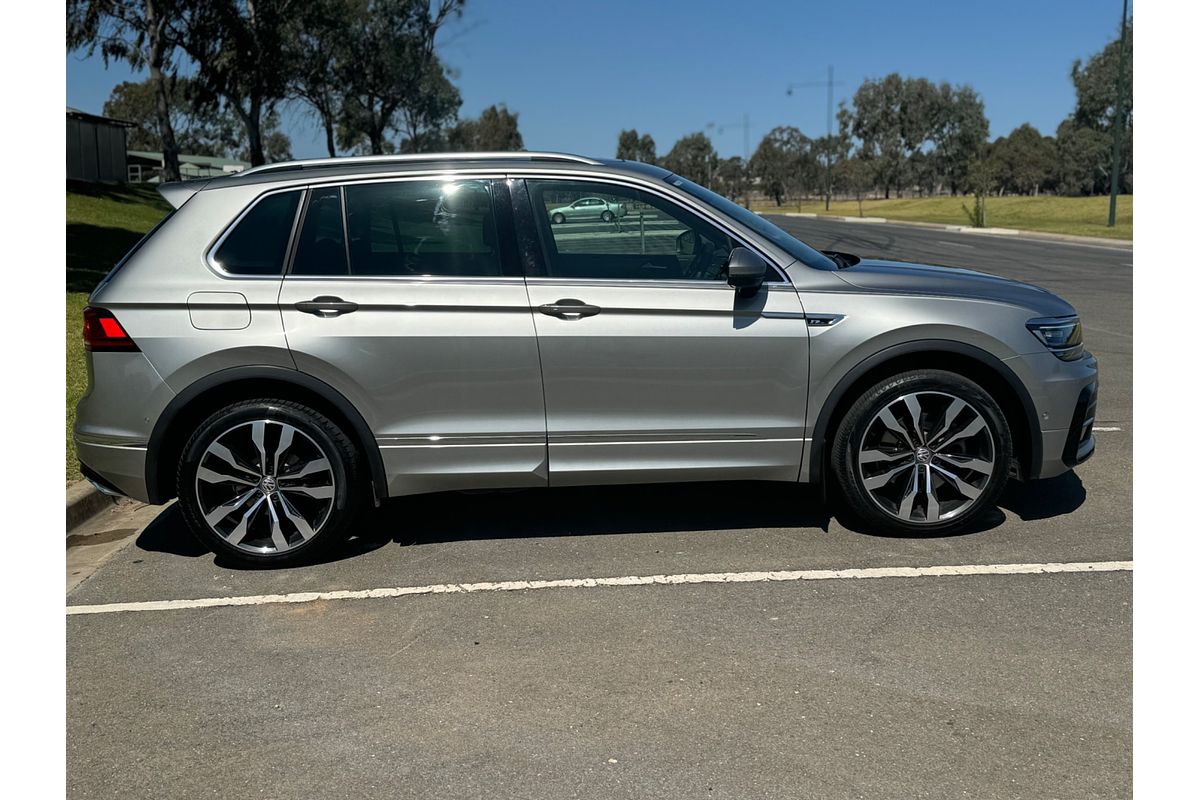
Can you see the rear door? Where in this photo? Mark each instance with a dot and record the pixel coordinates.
(402, 295)
(654, 368)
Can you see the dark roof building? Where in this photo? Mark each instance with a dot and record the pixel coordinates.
(95, 147)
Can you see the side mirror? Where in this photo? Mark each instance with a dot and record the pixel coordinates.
(685, 243)
(747, 271)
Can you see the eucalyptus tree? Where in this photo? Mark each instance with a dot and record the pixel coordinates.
(144, 34)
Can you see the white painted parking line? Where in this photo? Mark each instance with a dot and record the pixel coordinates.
(1105, 430)
(957, 244)
(629, 580)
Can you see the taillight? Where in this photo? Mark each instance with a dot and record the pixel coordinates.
(101, 331)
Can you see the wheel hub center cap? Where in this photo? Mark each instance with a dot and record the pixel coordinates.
(267, 484)
(924, 455)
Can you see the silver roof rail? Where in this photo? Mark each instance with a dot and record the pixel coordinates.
(419, 157)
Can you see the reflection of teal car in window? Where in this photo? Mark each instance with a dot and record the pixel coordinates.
(587, 208)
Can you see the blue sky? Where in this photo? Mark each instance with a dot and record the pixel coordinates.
(578, 71)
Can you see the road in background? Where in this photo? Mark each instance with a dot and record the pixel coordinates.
(977, 686)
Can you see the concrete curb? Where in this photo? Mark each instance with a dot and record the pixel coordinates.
(84, 501)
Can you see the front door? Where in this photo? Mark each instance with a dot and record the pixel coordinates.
(401, 297)
(654, 368)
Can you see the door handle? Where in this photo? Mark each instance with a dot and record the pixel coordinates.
(326, 306)
(569, 309)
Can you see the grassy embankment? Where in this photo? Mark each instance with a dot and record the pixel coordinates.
(103, 222)
(1080, 216)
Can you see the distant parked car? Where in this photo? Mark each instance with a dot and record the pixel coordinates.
(587, 208)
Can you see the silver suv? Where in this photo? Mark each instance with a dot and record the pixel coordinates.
(298, 341)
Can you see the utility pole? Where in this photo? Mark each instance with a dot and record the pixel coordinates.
(1118, 121)
(829, 83)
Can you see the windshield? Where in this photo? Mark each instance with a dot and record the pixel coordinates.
(776, 235)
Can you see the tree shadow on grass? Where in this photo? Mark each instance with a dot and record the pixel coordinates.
(92, 250)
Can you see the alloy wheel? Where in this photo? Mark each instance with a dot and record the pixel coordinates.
(926, 457)
(265, 486)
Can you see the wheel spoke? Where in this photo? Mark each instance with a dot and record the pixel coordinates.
(319, 492)
(910, 494)
(976, 464)
(948, 418)
(209, 476)
(891, 423)
(259, 435)
(281, 542)
(966, 489)
(879, 481)
(311, 468)
(306, 531)
(223, 453)
(238, 533)
(873, 456)
(221, 512)
(933, 511)
(975, 426)
(914, 410)
(285, 441)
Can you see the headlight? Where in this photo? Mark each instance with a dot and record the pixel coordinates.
(1062, 336)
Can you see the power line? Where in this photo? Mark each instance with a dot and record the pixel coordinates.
(744, 125)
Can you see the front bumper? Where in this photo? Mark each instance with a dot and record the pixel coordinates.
(1065, 395)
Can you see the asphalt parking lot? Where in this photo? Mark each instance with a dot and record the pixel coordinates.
(915, 685)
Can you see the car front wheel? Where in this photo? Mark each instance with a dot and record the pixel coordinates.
(558, 219)
(922, 452)
(269, 482)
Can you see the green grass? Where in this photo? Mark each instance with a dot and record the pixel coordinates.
(1080, 216)
(103, 222)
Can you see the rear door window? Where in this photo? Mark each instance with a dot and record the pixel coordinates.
(436, 228)
(257, 244)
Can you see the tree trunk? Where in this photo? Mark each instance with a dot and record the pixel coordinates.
(252, 122)
(327, 119)
(162, 105)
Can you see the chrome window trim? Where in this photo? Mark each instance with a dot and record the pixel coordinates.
(562, 171)
(210, 254)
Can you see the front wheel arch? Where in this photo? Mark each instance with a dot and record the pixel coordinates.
(967, 360)
(200, 399)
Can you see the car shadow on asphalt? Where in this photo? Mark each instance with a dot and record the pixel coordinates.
(615, 510)
(1052, 497)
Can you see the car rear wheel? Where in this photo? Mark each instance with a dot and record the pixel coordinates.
(606, 216)
(558, 219)
(269, 482)
(922, 452)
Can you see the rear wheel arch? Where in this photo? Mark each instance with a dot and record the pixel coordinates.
(195, 403)
(967, 360)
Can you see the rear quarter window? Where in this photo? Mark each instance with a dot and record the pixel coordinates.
(257, 243)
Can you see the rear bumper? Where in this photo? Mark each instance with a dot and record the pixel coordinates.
(114, 467)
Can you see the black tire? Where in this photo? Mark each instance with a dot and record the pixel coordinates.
(606, 216)
(849, 440)
(558, 219)
(317, 431)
